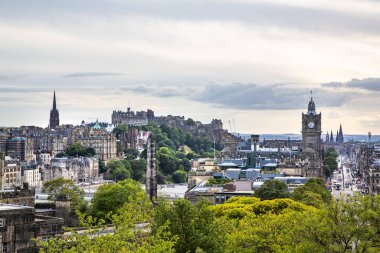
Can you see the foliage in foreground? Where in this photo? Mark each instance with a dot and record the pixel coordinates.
(65, 189)
(242, 224)
(130, 233)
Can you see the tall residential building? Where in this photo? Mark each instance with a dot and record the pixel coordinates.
(311, 141)
(20, 148)
(54, 115)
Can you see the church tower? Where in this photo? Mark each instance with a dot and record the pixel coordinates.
(311, 141)
(54, 115)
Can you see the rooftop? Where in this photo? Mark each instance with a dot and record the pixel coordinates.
(4, 207)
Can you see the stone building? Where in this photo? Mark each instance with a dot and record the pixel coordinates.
(54, 115)
(99, 139)
(76, 169)
(11, 176)
(31, 174)
(19, 225)
(132, 118)
(311, 141)
(20, 148)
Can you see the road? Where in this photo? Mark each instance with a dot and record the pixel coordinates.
(344, 178)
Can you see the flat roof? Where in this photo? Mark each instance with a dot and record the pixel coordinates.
(4, 207)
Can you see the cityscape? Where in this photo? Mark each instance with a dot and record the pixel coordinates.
(190, 126)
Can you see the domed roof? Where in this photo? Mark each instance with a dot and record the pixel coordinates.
(311, 108)
(97, 126)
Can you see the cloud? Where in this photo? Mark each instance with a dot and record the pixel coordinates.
(10, 77)
(90, 74)
(369, 84)
(246, 96)
(156, 90)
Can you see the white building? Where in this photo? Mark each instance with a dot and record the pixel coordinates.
(32, 176)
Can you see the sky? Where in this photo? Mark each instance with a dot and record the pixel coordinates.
(251, 63)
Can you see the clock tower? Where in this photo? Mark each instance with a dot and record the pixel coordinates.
(311, 141)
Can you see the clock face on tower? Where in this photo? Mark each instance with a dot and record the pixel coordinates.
(310, 124)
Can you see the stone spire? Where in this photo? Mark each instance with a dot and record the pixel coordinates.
(331, 138)
(54, 115)
(151, 171)
(341, 139)
(54, 102)
(337, 136)
(327, 138)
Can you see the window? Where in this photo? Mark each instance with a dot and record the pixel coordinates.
(2, 222)
(5, 247)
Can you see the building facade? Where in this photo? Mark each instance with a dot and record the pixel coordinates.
(311, 141)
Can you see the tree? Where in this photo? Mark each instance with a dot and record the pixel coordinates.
(138, 169)
(119, 169)
(190, 122)
(109, 198)
(120, 129)
(64, 189)
(314, 193)
(194, 226)
(272, 189)
(90, 151)
(126, 237)
(102, 166)
(167, 163)
(330, 164)
(179, 176)
(76, 149)
(131, 153)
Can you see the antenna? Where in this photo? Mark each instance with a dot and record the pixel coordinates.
(233, 121)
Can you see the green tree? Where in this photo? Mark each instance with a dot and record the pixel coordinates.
(119, 169)
(190, 122)
(90, 151)
(314, 193)
(127, 236)
(76, 149)
(120, 129)
(138, 169)
(272, 189)
(167, 163)
(64, 189)
(179, 176)
(131, 153)
(330, 165)
(109, 198)
(194, 226)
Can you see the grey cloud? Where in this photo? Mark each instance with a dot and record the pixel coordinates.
(370, 84)
(258, 13)
(269, 97)
(90, 74)
(161, 91)
(246, 96)
(10, 77)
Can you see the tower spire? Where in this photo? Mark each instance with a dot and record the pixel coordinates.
(54, 115)
(54, 102)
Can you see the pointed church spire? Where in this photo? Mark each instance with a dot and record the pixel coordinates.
(327, 138)
(54, 115)
(341, 139)
(54, 102)
(331, 138)
(337, 136)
